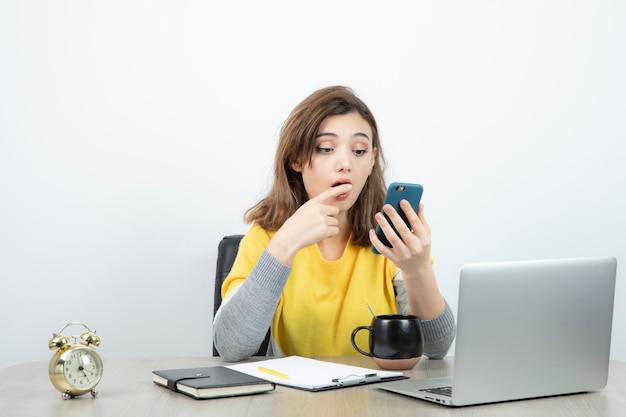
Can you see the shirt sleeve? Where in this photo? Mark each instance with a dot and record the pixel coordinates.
(246, 313)
(438, 332)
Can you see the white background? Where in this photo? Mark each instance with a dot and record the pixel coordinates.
(134, 135)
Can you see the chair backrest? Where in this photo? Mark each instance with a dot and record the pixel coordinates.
(226, 254)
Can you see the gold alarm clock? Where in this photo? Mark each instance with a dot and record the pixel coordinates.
(75, 368)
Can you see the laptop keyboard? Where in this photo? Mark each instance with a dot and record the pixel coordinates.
(447, 391)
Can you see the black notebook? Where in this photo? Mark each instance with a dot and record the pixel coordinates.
(210, 382)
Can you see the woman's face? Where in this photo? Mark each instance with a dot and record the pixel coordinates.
(343, 154)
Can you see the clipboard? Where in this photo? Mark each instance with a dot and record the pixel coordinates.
(313, 374)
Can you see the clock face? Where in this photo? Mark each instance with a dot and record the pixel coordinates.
(82, 368)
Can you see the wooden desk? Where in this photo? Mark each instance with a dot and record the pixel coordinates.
(127, 390)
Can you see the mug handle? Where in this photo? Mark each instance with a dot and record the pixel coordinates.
(358, 329)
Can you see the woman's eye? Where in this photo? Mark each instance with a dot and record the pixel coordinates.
(319, 149)
(360, 152)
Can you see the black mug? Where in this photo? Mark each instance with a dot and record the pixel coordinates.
(395, 342)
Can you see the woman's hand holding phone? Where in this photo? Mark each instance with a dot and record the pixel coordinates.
(402, 234)
(410, 239)
(410, 249)
(387, 230)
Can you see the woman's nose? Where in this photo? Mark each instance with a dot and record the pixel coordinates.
(344, 162)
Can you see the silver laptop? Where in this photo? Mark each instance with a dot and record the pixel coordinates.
(526, 330)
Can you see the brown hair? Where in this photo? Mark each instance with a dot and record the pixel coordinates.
(297, 143)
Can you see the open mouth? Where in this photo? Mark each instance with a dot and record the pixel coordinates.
(341, 182)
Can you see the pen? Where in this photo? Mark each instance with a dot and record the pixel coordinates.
(273, 372)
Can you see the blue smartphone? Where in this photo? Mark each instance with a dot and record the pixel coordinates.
(396, 192)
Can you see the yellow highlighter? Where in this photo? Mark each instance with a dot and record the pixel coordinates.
(273, 372)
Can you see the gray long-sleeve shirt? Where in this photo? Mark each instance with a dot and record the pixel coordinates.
(242, 321)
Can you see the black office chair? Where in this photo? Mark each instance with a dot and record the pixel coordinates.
(226, 253)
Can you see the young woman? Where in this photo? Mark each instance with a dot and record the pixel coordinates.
(305, 268)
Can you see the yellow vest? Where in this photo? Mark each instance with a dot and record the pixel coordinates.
(323, 301)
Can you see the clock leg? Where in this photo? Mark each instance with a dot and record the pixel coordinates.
(94, 392)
